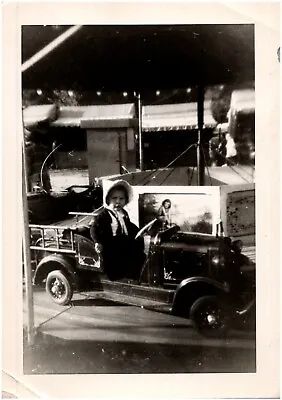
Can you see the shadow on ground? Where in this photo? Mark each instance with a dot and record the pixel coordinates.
(97, 302)
(50, 355)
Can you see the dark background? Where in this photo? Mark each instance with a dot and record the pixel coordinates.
(145, 57)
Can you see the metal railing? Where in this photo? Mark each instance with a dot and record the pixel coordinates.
(57, 238)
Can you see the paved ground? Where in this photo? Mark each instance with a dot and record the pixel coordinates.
(102, 334)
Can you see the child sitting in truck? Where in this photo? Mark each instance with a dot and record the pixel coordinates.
(114, 235)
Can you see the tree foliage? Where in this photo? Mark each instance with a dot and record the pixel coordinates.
(64, 98)
(147, 206)
(220, 103)
(60, 97)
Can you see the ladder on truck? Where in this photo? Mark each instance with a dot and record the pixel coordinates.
(54, 234)
(57, 234)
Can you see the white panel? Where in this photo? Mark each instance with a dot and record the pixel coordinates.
(178, 192)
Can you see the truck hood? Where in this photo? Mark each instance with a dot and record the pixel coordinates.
(187, 240)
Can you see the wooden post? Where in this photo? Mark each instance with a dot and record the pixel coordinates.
(26, 255)
(140, 133)
(200, 157)
(120, 151)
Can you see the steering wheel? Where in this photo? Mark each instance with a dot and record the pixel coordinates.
(146, 228)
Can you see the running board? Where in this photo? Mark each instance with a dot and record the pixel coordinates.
(135, 290)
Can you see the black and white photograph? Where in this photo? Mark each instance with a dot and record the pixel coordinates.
(138, 147)
(130, 127)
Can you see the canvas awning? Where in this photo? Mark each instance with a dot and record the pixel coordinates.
(243, 101)
(183, 176)
(32, 115)
(69, 116)
(179, 116)
(109, 116)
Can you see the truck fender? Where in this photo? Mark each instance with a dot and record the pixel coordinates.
(51, 263)
(190, 289)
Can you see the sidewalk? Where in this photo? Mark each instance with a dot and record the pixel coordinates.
(98, 334)
(51, 355)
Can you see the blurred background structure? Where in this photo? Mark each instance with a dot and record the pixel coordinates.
(160, 72)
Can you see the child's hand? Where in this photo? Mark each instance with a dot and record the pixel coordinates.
(98, 247)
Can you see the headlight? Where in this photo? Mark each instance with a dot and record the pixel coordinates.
(218, 260)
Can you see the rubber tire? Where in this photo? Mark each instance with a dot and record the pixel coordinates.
(198, 308)
(67, 296)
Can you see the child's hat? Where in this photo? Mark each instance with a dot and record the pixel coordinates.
(116, 185)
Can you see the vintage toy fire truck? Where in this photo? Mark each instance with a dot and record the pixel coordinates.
(193, 275)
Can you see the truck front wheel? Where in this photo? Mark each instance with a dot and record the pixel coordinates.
(210, 316)
(59, 287)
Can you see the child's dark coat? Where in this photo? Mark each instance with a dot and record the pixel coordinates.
(122, 255)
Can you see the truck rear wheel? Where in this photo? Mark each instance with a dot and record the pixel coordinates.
(59, 287)
(210, 316)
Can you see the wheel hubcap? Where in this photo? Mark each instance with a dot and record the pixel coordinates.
(57, 288)
(211, 318)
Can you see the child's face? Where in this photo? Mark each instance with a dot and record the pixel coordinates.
(167, 204)
(117, 199)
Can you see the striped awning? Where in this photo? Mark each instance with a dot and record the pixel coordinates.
(69, 116)
(32, 115)
(172, 117)
(109, 116)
